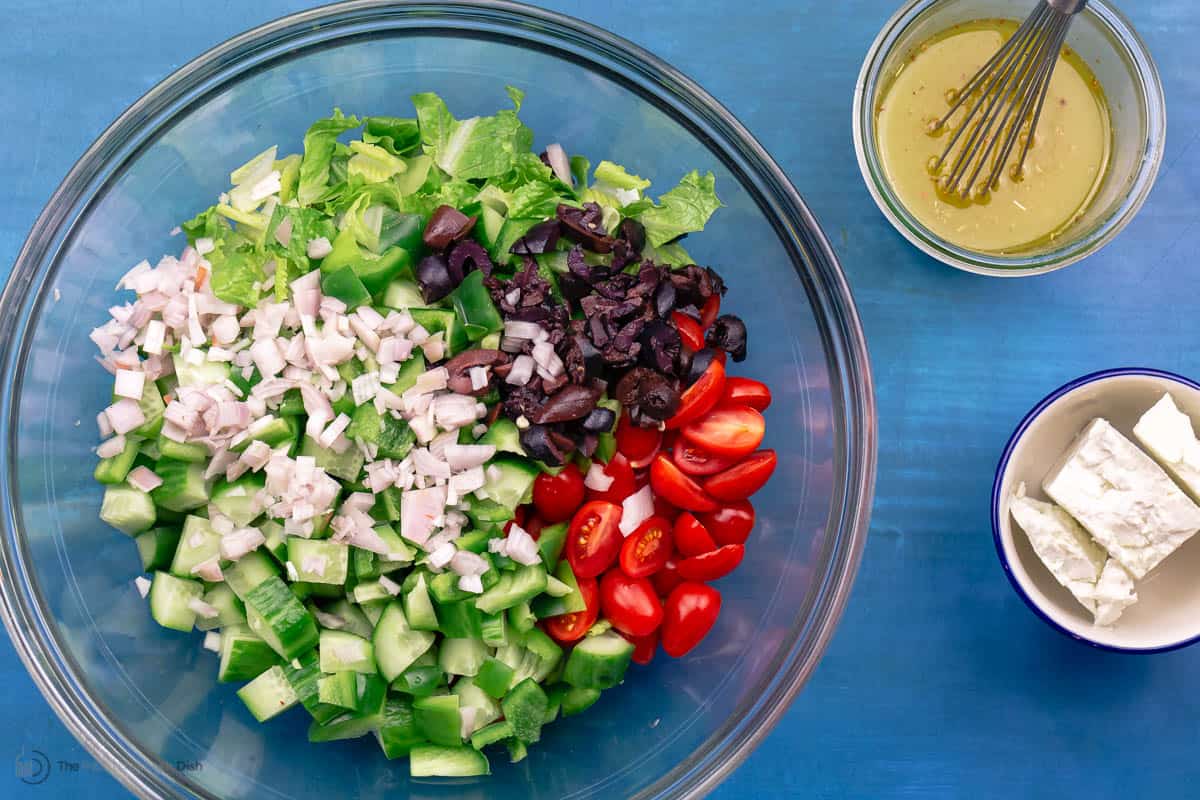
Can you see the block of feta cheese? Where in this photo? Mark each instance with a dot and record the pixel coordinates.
(1099, 583)
(1125, 500)
(1167, 433)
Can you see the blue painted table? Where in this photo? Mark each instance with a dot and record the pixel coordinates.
(939, 682)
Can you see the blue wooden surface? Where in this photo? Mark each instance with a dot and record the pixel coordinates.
(939, 683)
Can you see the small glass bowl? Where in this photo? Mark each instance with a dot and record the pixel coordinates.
(1118, 57)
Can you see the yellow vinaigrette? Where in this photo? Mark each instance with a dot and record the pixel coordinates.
(1064, 168)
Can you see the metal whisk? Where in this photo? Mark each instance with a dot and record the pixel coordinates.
(1013, 82)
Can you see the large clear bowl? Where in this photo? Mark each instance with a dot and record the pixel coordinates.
(145, 701)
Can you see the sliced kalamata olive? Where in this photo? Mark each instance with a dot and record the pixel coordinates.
(660, 345)
(683, 364)
(545, 445)
(649, 392)
(447, 225)
(459, 369)
(568, 403)
(587, 444)
(585, 226)
(664, 298)
(593, 361)
(433, 276)
(599, 421)
(629, 387)
(728, 333)
(699, 364)
(467, 255)
(541, 238)
(633, 232)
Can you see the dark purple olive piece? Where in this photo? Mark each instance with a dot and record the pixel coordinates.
(585, 226)
(664, 299)
(601, 420)
(568, 403)
(587, 444)
(544, 445)
(660, 345)
(433, 276)
(633, 232)
(728, 333)
(467, 255)
(593, 361)
(459, 369)
(649, 392)
(541, 238)
(699, 364)
(447, 225)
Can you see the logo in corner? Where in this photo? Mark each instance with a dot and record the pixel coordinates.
(32, 766)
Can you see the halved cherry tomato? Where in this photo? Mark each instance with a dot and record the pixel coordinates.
(691, 538)
(533, 526)
(667, 578)
(688, 616)
(644, 647)
(623, 484)
(637, 444)
(695, 460)
(647, 549)
(567, 628)
(744, 478)
(732, 431)
(710, 566)
(676, 488)
(699, 398)
(710, 310)
(665, 510)
(557, 497)
(594, 539)
(518, 519)
(746, 392)
(730, 524)
(689, 330)
(630, 604)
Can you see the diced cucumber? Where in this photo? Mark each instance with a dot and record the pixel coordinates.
(445, 321)
(345, 465)
(399, 552)
(238, 500)
(509, 479)
(157, 547)
(487, 513)
(418, 608)
(521, 618)
(268, 695)
(364, 564)
(152, 407)
(420, 681)
(302, 674)
(403, 294)
(356, 621)
(319, 560)
(244, 655)
(430, 761)
(250, 570)
(461, 656)
(339, 689)
(491, 734)
(494, 630)
(438, 719)
(276, 540)
(207, 373)
(198, 543)
(193, 452)
(524, 584)
(373, 611)
(535, 657)
(393, 436)
(504, 435)
(576, 700)
(276, 431)
(494, 678)
(397, 645)
(598, 662)
(487, 710)
(127, 509)
(230, 610)
(444, 588)
(547, 606)
(398, 732)
(550, 544)
(183, 485)
(371, 592)
(170, 601)
(115, 469)
(460, 620)
(372, 696)
(342, 651)
(278, 616)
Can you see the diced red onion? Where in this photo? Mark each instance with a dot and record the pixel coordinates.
(111, 447)
(521, 547)
(125, 415)
(636, 509)
(466, 456)
(144, 479)
(142, 585)
(597, 479)
(418, 510)
(521, 372)
(519, 329)
(319, 247)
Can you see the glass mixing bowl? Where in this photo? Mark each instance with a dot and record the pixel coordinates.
(144, 700)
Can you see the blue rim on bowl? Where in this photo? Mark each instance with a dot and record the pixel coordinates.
(1002, 470)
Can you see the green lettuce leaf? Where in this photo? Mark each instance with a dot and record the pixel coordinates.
(373, 163)
(535, 200)
(207, 223)
(615, 175)
(319, 145)
(396, 135)
(236, 275)
(684, 209)
(479, 147)
(580, 166)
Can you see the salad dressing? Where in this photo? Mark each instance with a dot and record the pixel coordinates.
(1063, 170)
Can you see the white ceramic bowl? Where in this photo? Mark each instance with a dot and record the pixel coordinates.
(1167, 614)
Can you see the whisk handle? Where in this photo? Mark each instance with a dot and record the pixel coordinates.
(1067, 7)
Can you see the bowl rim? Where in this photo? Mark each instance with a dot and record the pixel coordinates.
(997, 500)
(813, 257)
(1146, 75)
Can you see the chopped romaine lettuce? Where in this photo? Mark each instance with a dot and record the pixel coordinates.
(684, 209)
(318, 151)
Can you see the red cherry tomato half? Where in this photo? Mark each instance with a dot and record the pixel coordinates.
(533, 526)
(699, 398)
(731, 523)
(647, 549)
(695, 460)
(594, 539)
(518, 519)
(689, 330)
(644, 647)
(637, 444)
(664, 509)
(744, 478)
(567, 628)
(676, 488)
(732, 431)
(557, 497)
(667, 578)
(691, 538)
(630, 604)
(710, 566)
(746, 392)
(710, 310)
(623, 485)
(688, 616)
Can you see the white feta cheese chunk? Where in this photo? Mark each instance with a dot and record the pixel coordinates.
(1113, 594)
(1167, 433)
(1125, 500)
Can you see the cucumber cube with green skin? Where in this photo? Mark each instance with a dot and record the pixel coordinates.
(157, 547)
(319, 560)
(547, 606)
(432, 761)
(198, 543)
(406, 378)
(364, 564)
(398, 733)
(397, 645)
(403, 294)
(278, 431)
(268, 695)
(276, 540)
(494, 629)
(342, 651)
(598, 662)
(399, 552)
(576, 700)
(239, 500)
(249, 571)
(115, 469)
(420, 681)
(525, 708)
(152, 407)
(393, 436)
(438, 719)
(346, 465)
(371, 592)
(278, 616)
(303, 673)
(183, 485)
(509, 480)
(171, 599)
(486, 710)
(339, 689)
(418, 608)
(494, 678)
(461, 656)
(127, 509)
(354, 620)
(244, 656)
(230, 610)
(372, 698)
